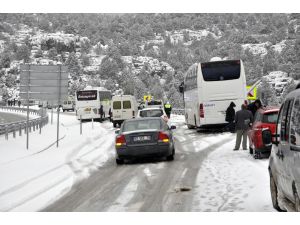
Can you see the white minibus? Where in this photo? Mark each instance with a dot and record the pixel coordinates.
(89, 101)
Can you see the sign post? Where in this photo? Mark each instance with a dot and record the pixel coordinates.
(27, 120)
(46, 83)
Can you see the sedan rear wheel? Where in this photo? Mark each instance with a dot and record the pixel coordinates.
(171, 157)
(119, 161)
(274, 193)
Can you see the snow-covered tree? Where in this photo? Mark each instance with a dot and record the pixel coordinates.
(175, 98)
(268, 94)
(23, 53)
(290, 86)
(73, 66)
(52, 53)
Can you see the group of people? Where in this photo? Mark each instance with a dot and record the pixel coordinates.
(13, 102)
(241, 121)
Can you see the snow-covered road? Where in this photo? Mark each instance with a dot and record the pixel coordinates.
(81, 175)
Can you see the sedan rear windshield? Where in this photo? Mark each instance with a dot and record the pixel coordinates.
(151, 113)
(141, 125)
(270, 117)
(223, 70)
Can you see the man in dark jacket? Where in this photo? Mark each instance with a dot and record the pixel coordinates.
(230, 114)
(168, 109)
(101, 112)
(254, 106)
(243, 120)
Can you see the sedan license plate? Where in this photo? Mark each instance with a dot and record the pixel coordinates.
(142, 138)
(87, 109)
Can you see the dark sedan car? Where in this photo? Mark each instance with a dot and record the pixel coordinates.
(144, 137)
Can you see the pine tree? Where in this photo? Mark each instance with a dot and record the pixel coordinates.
(73, 66)
(23, 53)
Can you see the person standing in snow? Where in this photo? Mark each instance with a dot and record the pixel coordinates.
(19, 103)
(168, 109)
(243, 120)
(230, 114)
(101, 112)
(254, 106)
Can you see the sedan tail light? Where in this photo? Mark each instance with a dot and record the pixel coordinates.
(120, 140)
(163, 137)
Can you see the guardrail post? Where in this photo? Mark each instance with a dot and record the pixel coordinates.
(20, 129)
(80, 125)
(14, 131)
(6, 132)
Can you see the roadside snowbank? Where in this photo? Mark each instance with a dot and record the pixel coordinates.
(31, 179)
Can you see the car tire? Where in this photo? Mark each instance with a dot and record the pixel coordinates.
(119, 161)
(171, 157)
(190, 126)
(274, 193)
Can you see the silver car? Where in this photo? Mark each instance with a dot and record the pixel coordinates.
(144, 137)
(284, 163)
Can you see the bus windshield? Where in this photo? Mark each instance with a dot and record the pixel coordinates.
(87, 95)
(221, 70)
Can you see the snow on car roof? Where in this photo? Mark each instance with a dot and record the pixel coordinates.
(151, 108)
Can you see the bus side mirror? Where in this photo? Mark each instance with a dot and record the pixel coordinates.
(181, 87)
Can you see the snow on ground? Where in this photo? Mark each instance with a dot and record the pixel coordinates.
(233, 181)
(34, 178)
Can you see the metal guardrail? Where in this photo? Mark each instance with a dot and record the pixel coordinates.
(178, 111)
(34, 124)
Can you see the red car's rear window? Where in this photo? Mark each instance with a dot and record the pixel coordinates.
(270, 117)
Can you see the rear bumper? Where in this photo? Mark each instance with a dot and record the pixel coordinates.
(130, 152)
(266, 149)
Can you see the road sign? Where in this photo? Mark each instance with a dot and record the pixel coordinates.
(252, 95)
(147, 98)
(45, 83)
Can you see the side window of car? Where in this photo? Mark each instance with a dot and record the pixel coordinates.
(285, 119)
(295, 124)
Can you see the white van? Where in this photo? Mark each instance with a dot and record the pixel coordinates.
(68, 104)
(123, 107)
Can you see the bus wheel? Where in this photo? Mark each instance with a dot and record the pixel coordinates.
(115, 124)
(190, 126)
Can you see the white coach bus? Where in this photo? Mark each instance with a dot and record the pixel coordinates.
(208, 90)
(88, 102)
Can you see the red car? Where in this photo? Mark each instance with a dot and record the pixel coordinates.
(265, 118)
